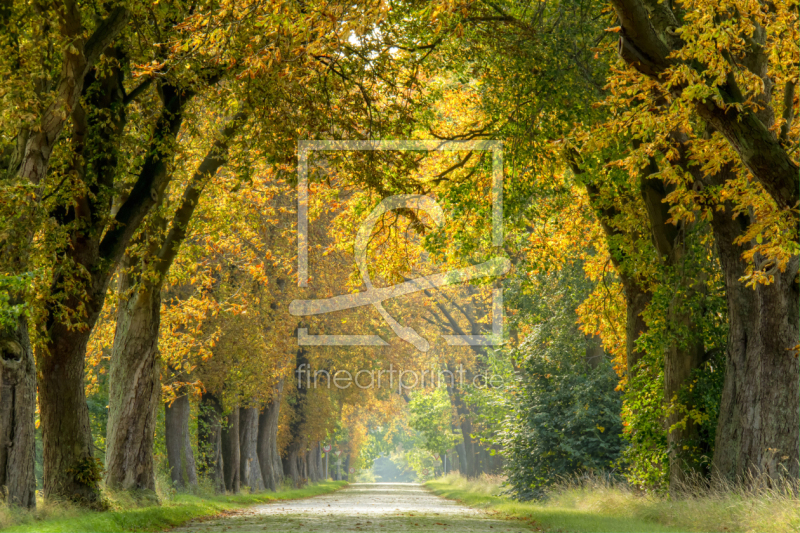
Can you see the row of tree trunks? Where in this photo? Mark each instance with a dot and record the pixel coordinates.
(183, 470)
(268, 457)
(17, 405)
(241, 451)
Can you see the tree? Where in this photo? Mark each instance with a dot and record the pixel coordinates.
(135, 387)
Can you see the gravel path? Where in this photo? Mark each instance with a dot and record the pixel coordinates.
(383, 507)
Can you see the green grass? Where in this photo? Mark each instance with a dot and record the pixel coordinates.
(173, 511)
(600, 507)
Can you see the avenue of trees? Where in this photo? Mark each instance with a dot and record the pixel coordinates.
(149, 240)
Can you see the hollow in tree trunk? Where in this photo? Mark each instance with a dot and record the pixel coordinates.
(17, 406)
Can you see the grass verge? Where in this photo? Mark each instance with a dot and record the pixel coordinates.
(601, 507)
(173, 511)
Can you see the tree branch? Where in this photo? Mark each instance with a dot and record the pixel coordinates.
(139, 89)
(104, 35)
(153, 176)
(214, 159)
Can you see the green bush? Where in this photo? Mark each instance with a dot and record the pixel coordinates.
(565, 417)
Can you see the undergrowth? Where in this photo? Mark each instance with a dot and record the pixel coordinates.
(592, 504)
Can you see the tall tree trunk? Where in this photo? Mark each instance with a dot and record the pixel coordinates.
(682, 356)
(461, 453)
(637, 298)
(209, 437)
(69, 465)
(183, 471)
(309, 474)
(757, 431)
(249, 470)
(134, 378)
(346, 467)
(680, 361)
(465, 425)
(231, 453)
(135, 390)
(303, 458)
(268, 457)
(17, 406)
(759, 423)
(313, 472)
(320, 464)
(296, 449)
(292, 465)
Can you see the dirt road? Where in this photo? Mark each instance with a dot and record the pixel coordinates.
(383, 507)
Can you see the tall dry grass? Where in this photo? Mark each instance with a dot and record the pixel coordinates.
(759, 505)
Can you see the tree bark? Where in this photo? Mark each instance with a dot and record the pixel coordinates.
(17, 406)
(135, 389)
(310, 475)
(209, 437)
(249, 469)
(231, 453)
(320, 464)
(682, 356)
(268, 457)
(759, 423)
(757, 432)
(69, 465)
(183, 470)
(313, 463)
(637, 298)
(295, 452)
(461, 453)
(292, 467)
